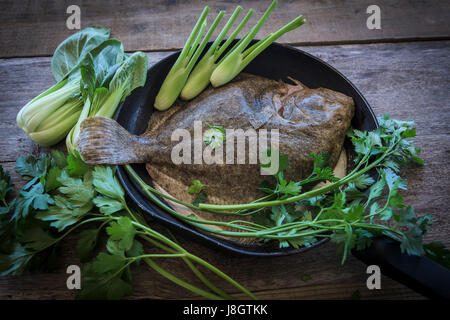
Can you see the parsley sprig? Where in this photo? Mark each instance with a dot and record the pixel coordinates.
(350, 210)
(62, 195)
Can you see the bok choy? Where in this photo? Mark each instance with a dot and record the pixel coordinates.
(93, 76)
(49, 117)
(106, 80)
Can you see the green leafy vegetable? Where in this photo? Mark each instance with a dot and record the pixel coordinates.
(71, 52)
(201, 198)
(49, 117)
(105, 278)
(5, 187)
(106, 81)
(123, 231)
(87, 195)
(86, 244)
(75, 201)
(196, 187)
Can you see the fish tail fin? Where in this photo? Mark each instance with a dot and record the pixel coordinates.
(104, 141)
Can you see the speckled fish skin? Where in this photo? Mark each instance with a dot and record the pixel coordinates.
(308, 120)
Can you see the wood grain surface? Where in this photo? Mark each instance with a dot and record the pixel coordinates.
(35, 27)
(408, 80)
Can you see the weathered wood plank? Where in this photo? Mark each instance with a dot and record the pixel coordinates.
(35, 28)
(410, 81)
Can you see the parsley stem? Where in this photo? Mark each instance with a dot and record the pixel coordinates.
(197, 272)
(80, 224)
(180, 282)
(222, 275)
(174, 245)
(157, 255)
(306, 195)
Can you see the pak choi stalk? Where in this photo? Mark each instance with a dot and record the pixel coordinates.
(37, 116)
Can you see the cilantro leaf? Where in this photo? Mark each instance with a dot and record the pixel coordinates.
(75, 165)
(27, 201)
(105, 278)
(136, 249)
(29, 167)
(196, 187)
(292, 188)
(215, 136)
(52, 182)
(65, 213)
(354, 212)
(78, 191)
(107, 205)
(74, 202)
(5, 187)
(283, 162)
(122, 231)
(363, 181)
(33, 238)
(106, 183)
(16, 262)
(59, 159)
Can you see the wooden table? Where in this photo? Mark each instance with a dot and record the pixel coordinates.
(402, 69)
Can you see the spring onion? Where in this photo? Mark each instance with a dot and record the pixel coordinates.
(199, 78)
(178, 75)
(240, 57)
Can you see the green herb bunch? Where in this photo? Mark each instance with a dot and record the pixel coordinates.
(350, 211)
(64, 195)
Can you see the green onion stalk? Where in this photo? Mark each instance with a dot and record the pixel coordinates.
(239, 57)
(199, 78)
(188, 79)
(178, 74)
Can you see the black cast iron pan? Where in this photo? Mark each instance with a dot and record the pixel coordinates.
(278, 62)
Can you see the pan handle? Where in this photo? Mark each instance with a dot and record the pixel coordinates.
(421, 274)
